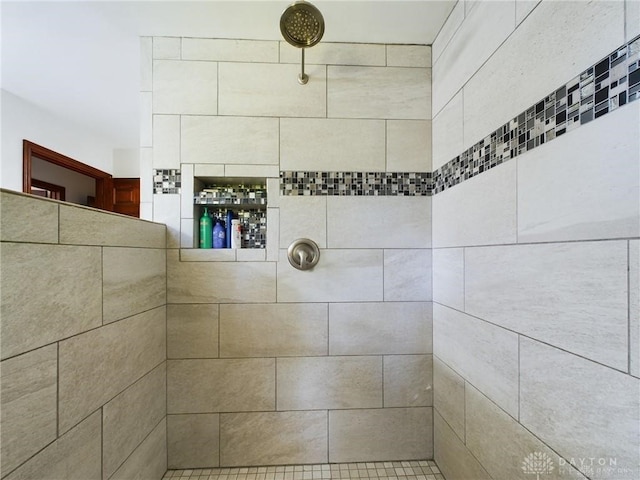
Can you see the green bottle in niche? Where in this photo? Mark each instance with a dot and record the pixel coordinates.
(206, 230)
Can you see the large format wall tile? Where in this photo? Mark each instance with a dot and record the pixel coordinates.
(223, 50)
(485, 355)
(452, 456)
(166, 141)
(326, 53)
(379, 92)
(188, 88)
(131, 416)
(634, 307)
(97, 365)
(187, 208)
(277, 94)
(303, 217)
(380, 328)
(229, 140)
(146, 64)
(273, 330)
(16, 208)
(448, 277)
(407, 275)
(380, 434)
(602, 168)
(193, 441)
(502, 445)
(86, 226)
(510, 82)
(408, 380)
(166, 209)
(29, 405)
(584, 410)
(49, 292)
(632, 14)
(273, 438)
(480, 211)
(167, 48)
(146, 119)
(76, 455)
(448, 396)
(482, 31)
(219, 282)
(447, 130)
(356, 145)
(192, 331)
(409, 56)
(134, 280)
(211, 386)
(318, 383)
(361, 270)
(149, 460)
(555, 293)
(378, 222)
(447, 31)
(408, 146)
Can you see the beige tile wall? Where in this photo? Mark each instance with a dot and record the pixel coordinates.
(535, 261)
(83, 343)
(255, 347)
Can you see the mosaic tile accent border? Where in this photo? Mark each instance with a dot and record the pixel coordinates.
(166, 181)
(356, 183)
(607, 85)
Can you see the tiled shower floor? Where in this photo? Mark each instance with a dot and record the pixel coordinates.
(414, 470)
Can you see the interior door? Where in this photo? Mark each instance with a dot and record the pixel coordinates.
(126, 196)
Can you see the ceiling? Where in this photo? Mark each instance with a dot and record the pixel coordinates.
(80, 59)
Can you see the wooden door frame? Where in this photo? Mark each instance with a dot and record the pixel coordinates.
(104, 180)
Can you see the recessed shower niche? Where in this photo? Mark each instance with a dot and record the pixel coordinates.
(244, 197)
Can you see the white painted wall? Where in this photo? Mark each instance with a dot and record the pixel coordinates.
(23, 120)
(126, 163)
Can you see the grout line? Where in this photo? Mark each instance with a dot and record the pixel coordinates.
(219, 351)
(57, 390)
(519, 376)
(382, 371)
(629, 319)
(537, 340)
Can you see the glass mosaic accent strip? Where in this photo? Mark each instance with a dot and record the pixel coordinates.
(607, 85)
(237, 195)
(166, 181)
(356, 183)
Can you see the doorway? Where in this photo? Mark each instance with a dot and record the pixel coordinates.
(54, 175)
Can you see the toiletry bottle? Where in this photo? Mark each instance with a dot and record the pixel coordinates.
(219, 236)
(229, 220)
(236, 234)
(205, 229)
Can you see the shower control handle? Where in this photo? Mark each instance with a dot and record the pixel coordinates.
(303, 254)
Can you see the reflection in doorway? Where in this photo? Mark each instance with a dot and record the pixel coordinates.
(78, 187)
(102, 181)
(48, 190)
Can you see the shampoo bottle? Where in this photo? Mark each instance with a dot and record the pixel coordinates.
(205, 229)
(236, 234)
(219, 237)
(229, 220)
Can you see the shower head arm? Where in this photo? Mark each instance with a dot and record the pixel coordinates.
(303, 78)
